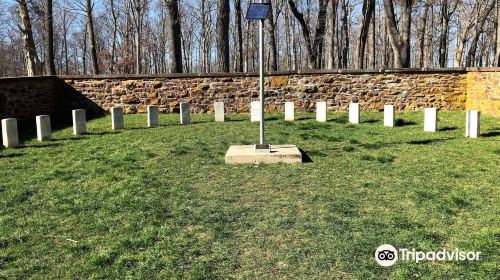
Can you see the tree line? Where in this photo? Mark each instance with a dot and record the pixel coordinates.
(48, 37)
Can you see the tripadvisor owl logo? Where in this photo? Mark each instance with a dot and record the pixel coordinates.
(386, 255)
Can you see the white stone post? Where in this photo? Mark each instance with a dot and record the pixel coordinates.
(43, 129)
(354, 112)
(472, 124)
(152, 116)
(79, 122)
(185, 113)
(219, 111)
(9, 133)
(289, 111)
(389, 116)
(321, 111)
(117, 118)
(255, 111)
(430, 120)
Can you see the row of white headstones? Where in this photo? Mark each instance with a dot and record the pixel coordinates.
(44, 132)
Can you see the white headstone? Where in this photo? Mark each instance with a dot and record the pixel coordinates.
(185, 113)
(289, 111)
(117, 118)
(321, 111)
(389, 116)
(43, 129)
(152, 116)
(255, 111)
(9, 133)
(472, 125)
(219, 111)
(354, 113)
(430, 120)
(79, 122)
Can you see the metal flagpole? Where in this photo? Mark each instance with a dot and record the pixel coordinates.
(261, 60)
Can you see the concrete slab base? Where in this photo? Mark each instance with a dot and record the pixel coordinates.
(279, 153)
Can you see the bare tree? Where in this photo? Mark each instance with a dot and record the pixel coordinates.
(32, 61)
(330, 34)
(481, 20)
(237, 8)
(497, 54)
(446, 14)
(367, 12)
(314, 50)
(91, 37)
(223, 35)
(423, 33)
(400, 40)
(50, 67)
(344, 36)
(174, 42)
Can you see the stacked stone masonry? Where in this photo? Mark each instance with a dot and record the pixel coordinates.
(405, 91)
(451, 89)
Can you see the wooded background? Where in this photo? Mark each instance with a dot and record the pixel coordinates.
(48, 37)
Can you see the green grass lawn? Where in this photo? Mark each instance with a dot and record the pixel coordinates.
(161, 203)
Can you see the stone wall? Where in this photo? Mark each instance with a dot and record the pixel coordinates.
(25, 98)
(407, 90)
(410, 89)
(483, 91)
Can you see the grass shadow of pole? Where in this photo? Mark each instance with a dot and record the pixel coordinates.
(305, 157)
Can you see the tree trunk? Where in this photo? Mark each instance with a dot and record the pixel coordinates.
(50, 67)
(471, 55)
(174, 42)
(239, 30)
(272, 40)
(314, 51)
(423, 33)
(400, 40)
(497, 55)
(222, 27)
(31, 57)
(345, 36)
(366, 16)
(330, 35)
(113, 41)
(92, 45)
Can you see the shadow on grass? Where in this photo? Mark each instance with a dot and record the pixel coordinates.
(401, 122)
(75, 138)
(234, 120)
(491, 134)
(428, 141)
(304, 118)
(11, 155)
(272, 118)
(22, 147)
(341, 120)
(448, 128)
(101, 133)
(305, 157)
(370, 121)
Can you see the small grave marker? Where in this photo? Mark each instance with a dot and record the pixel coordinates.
(43, 129)
(321, 111)
(152, 116)
(117, 118)
(354, 112)
(389, 116)
(430, 120)
(9, 133)
(79, 122)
